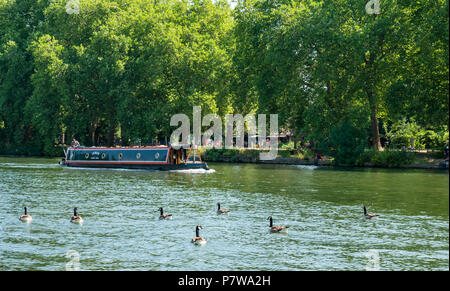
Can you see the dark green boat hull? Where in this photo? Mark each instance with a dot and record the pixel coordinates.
(147, 158)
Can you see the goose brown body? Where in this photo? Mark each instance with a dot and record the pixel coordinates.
(198, 240)
(369, 215)
(164, 216)
(25, 217)
(277, 228)
(221, 211)
(76, 218)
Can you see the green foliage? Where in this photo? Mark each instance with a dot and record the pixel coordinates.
(287, 146)
(313, 61)
(327, 68)
(284, 153)
(305, 154)
(117, 66)
(431, 140)
(400, 134)
(232, 155)
(346, 144)
(387, 158)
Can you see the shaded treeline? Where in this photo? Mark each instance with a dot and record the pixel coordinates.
(338, 77)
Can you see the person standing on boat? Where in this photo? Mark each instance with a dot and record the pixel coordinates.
(75, 143)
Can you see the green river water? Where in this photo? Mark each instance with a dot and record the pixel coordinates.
(321, 206)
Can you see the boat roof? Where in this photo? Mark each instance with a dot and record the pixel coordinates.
(119, 148)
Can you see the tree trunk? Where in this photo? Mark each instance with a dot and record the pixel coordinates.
(93, 137)
(110, 137)
(94, 129)
(373, 105)
(375, 130)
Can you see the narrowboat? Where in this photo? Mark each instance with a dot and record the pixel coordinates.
(151, 158)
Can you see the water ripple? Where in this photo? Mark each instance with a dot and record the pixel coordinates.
(323, 209)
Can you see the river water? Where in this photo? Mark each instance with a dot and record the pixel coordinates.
(321, 206)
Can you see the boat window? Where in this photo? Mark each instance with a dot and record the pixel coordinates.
(156, 155)
(120, 156)
(86, 155)
(103, 155)
(138, 156)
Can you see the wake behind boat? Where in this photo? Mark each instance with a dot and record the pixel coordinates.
(152, 158)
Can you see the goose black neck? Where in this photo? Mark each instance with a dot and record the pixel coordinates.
(74, 212)
(365, 210)
(197, 230)
(271, 222)
(218, 206)
(161, 210)
(25, 210)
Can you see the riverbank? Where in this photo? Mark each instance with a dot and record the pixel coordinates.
(414, 160)
(417, 160)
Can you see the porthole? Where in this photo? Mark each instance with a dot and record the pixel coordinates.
(156, 156)
(86, 156)
(103, 155)
(138, 156)
(120, 156)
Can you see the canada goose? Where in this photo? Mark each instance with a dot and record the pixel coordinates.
(164, 216)
(277, 228)
(76, 218)
(198, 240)
(221, 211)
(25, 217)
(368, 215)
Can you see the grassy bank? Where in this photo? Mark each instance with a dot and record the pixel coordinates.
(369, 158)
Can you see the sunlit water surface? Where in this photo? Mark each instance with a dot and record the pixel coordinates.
(322, 207)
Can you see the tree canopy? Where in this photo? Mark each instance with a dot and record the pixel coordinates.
(337, 76)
